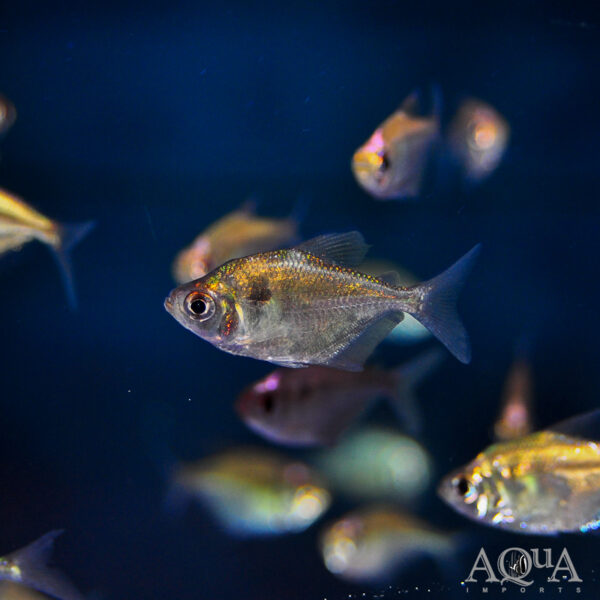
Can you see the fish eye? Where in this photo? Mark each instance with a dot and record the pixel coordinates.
(385, 163)
(268, 403)
(199, 306)
(462, 485)
(466, 489)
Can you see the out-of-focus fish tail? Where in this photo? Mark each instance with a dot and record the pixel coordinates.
(408, 377)
(437, 306)
(68, 237)
(35, 573)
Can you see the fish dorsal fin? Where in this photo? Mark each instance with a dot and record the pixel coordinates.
(411, 105)
(585, 426)
(354, 355)
(391, 278)
(344, 249)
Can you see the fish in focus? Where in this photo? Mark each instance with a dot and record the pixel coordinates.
(8, 114)
(254, 492)
(409, 330)
(27, 567)
(372, 544)
(478, 137)
(514, 420)
(544, 483)
(307, 305)
(391, 163)
(238, 234)
(376, 463)
(314, 406)
(20, 224)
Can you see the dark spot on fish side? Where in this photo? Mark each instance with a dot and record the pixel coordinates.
(259, 290)
(268, 403)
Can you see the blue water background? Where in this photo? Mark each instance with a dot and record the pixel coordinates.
(155, 121)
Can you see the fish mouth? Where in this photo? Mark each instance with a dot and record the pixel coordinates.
(169, 303)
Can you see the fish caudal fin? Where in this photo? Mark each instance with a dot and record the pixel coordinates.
(68, 237)
(408, 377)
(35, 573)
(437, 310)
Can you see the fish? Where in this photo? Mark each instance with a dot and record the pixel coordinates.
(546, 482)
(478, 137)
(372, 544)
(391, 163)
(27, 567)
(315, 406)
(238, 234)
(8, 114)
(14, 591)
(308, 305)
(409, 330)
(20, 224)
(253, 492)
(514, 420)
(375, 463)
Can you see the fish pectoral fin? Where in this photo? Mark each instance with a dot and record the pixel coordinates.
(343, 249)
(585, 426)
(353, 356)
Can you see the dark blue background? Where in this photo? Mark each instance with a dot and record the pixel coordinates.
(157, 120)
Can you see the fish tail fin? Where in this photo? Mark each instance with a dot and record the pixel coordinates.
(68, 237)
(437, 309)
(32, 561)
(408, 377)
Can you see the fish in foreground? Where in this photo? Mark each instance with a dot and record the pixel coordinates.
(237, 234)
(372, 544)
(20, 224)
(514, 420)
(314, 406)
(253, 492)
(409, 330)
(374, 463)
(308, 305)
(391, 163)
(478, 137)
(544, 483)
(8, 114)
(27, 567)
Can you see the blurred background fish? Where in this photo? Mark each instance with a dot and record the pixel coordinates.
(235, 235)
(391, 163)
(314, 406)
(14, 591)
(20, 224)
(8, 114)
(375, 463)
(27, 567)
(515, 418)
(253, 492)
(372, 544)
(478, 136)
(544, 483)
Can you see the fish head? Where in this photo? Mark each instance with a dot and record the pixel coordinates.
(261, 406)
(472, 491)
(206, 307)
(371, 165)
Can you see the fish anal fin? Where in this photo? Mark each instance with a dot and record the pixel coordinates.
(353, 356)
(344, 249)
